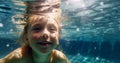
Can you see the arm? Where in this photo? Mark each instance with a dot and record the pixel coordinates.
(13, 57)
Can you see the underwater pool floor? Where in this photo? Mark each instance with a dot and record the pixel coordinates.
(82, 59)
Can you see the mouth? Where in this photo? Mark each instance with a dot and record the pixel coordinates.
(44, 43)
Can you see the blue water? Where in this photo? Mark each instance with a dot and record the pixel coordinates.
(90, 32)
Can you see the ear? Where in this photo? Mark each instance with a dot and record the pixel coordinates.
(26, 39)
(25, 35)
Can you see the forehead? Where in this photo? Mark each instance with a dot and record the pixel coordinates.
(42, 20)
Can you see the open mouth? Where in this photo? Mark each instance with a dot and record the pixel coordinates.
(44, 43)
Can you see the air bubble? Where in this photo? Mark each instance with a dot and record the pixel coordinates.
(1, 25)
(7, 45)
(77, 29)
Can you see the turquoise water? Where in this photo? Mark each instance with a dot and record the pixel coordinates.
(90, 34)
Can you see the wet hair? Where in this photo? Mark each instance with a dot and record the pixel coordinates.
(43, 6)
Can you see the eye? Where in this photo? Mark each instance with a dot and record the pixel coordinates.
(52, 29)
(36, 29)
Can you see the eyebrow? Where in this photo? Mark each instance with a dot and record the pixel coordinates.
(39, 23)
(37, 20)
(54, 25)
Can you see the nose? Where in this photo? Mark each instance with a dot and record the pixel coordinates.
(45, 35)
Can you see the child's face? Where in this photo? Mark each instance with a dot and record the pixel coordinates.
(43, 35)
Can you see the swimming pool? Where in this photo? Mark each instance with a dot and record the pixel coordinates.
(90, 34)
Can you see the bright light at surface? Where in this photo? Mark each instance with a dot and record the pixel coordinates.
(72, 5)
(77, 3)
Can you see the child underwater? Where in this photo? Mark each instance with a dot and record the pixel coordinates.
(40, 35)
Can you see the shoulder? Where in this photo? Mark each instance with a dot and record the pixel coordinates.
(59, 57)
(59, 54)
(14, 56)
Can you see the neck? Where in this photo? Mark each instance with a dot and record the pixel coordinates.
(41, 58)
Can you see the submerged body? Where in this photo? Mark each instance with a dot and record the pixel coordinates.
(21, 55)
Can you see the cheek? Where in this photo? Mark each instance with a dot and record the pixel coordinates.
(55, 36)
(35, 36)
(32, 36)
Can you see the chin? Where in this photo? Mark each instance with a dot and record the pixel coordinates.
(45, 52)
